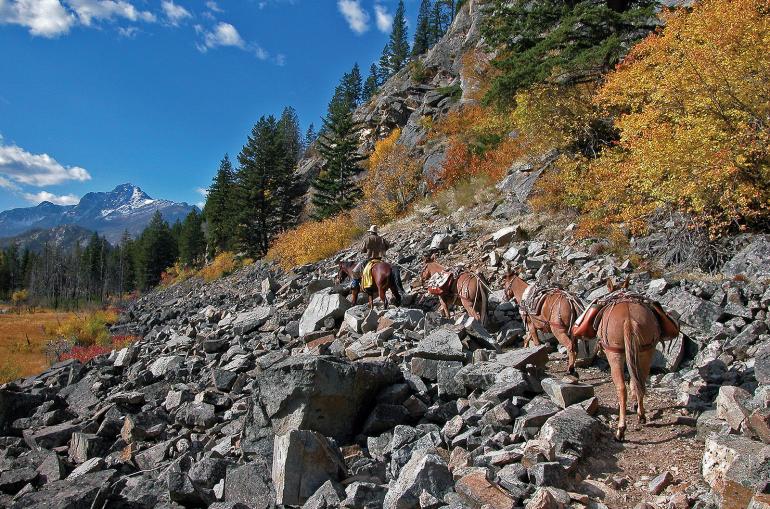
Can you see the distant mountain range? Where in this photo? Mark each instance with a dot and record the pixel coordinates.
(126, 207)
(65, 237)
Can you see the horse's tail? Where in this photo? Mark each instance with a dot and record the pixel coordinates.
(395, 284)
(631, 338)
(481, 290)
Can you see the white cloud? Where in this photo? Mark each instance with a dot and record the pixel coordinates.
(90, 10)
(280, 59)
(223, 34)
(18, 165)
(174, 13)
(383, 18)
(65, 199)
(202, 191)
(128, 32)
(7, 184)
(260, 52)
(213, 6)
(354, 14)
(44, 18)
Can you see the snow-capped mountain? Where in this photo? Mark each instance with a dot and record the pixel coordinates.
(126, 207)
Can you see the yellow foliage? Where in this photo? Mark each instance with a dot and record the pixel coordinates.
(85, 330)
(18, 297)
(313, 241)
(176, 274)
(391, 181)
(225, 263)
(694, 100)
(554, 116)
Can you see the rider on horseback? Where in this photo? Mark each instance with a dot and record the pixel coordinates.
(374, 246)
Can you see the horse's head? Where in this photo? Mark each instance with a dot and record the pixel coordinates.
(342, 272)
(509, 279)
(429, 269)
(613, 285)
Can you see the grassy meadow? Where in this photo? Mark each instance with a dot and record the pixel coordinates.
(23, 340)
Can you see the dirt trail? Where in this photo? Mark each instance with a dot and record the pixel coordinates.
(619, 473)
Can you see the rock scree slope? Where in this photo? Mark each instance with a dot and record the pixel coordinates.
(223, 402)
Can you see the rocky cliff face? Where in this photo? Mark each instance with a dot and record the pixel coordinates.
(411, 100)
(268, 389)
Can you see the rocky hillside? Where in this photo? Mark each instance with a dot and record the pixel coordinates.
(268, 389)
(411, 100)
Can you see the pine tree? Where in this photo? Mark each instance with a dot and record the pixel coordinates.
(422, 35)
(370, 85)
(310, 136)
(384, 67)
(220, 208)
(335, 188)
(398, 46)
(288, 189)
(125, 267)
(257, 185)
(353, 85)
(192, 243)
(156, 250)
(440, 19)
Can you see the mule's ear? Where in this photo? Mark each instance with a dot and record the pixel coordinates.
(610, 285)
(625, 283)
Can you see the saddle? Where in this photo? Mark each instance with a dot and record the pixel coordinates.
(587, 324)
(534, 297)
(440, 283)
(366, 277)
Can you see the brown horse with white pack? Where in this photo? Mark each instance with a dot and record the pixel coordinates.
(555, 312)
(628, 326)
(470, 288)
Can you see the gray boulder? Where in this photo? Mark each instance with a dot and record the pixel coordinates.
(250, 485)
(751, 261)
(322, 393)
(302, 462)
(441, 344)
(566, 393)
(425, 471)
(571, 431)
(323, 304)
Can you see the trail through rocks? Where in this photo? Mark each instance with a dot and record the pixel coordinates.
(618, 473)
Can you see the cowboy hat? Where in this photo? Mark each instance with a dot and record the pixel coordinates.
(373, 228)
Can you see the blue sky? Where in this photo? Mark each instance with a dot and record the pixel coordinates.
(95, 93)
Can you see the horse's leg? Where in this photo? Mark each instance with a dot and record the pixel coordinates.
(564, 339)
(444, 306)
(355, 296)
(645, 359)
(617, 363)
(381, 290)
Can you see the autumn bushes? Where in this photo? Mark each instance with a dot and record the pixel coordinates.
(314, 240)
(691, 104)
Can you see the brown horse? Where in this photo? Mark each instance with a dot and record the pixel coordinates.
(470, 288)
(628, 332)
(557, 314)
(384, 279)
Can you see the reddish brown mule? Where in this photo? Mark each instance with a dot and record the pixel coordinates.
(384, 280)
(470, 288)
(628, 331)
(556, 316)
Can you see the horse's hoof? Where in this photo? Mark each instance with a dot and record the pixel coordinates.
(620, 434)
(642, 419)
(572, 371)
